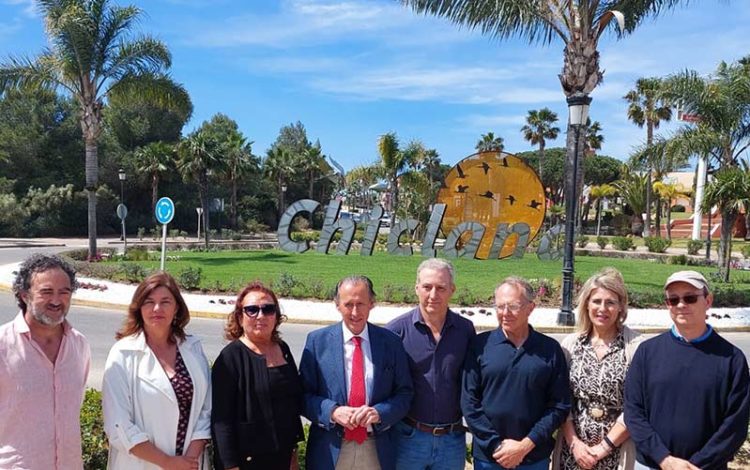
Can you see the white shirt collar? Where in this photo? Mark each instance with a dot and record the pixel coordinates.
(348, 335)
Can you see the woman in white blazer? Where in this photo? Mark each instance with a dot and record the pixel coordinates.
(156, 389)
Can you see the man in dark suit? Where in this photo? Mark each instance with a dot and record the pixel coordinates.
(357, 385)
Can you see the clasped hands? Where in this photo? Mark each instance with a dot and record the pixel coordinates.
(351, 417)
(510, 453)
(587, 456)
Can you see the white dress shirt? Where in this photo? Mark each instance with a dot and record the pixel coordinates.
(349, 354)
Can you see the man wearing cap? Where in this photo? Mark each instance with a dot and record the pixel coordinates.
(687, 390)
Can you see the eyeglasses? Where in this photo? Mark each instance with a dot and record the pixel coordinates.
(515, 308)
(253, 310)
(689, 299)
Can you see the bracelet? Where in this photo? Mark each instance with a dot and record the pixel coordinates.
(609, 442)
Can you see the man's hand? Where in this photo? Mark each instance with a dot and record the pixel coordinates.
(510, 453)
(343, 415)
(674, 463)
(366, 415)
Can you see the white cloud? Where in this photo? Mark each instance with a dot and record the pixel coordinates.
(28, 7)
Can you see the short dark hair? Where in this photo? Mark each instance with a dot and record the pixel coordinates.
(356, 279)
(133, 323)
(39, 263)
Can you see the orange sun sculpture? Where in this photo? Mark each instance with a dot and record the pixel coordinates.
(493, 188)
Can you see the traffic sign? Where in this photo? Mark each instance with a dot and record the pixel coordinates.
(122, 211)
(164, 210)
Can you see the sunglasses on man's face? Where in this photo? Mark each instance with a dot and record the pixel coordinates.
(253, 310)
(689, 299)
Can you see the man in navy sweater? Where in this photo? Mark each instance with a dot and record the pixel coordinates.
(687, 390)
(515, 387)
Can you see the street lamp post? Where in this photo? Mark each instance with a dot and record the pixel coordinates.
(123, 176)
(578, 107)
(207, 209)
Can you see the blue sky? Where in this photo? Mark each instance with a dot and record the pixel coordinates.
(351, 70)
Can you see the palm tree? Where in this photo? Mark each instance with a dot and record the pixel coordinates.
(647, 108)
(632, 188)
(154, 160)
(90, 57)
(240, 161)
(489, 143)
(199, 156)
(598, 193)
(538, 128)
(280, 166)
(730, 191)
(669, 192)
(593, 138)
(722, 135)
(393, 162)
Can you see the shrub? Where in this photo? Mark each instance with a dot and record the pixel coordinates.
(679, 259)
(582, 241)
(602, 242)
(141, 232)
(132, 272)
(678, 208)
(93, 439)
(623, 243)
(190, 278)
(174, 233)
(253, 226)
(285, 284)
(746, 251)
(694, 246)
(656, 244)
(137, 254)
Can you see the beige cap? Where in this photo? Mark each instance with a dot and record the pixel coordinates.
(694, 278)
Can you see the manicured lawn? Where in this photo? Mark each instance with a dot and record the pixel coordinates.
(232, 269)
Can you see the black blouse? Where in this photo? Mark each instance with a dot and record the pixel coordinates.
(247, 417)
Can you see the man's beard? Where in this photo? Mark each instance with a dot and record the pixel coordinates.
(45, 319)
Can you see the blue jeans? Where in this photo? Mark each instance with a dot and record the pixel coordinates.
(419, 450)
(484, 465)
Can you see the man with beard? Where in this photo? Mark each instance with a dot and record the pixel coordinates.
(44, 364)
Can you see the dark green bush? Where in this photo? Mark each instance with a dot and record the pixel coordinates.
(623, 243)
(602, 242)
(582, 241)
(93, 439)
(746, 251)
(190, 278)
(285, 284)
(678, 208)
(656, 244)
(679, 259)
(694, 246)
(132, 272)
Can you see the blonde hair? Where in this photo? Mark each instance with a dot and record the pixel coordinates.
(611, 280)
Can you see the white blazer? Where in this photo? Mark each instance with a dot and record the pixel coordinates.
(139, 403)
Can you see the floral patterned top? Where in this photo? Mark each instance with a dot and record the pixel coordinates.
(182, 385)
(598, 388)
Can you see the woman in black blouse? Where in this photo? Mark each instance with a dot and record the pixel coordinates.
(257, 394)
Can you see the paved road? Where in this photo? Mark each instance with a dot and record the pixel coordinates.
(99, 326)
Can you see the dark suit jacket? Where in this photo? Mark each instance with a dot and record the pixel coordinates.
(242, 420)
(324, 380)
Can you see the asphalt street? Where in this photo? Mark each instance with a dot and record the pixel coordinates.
(100, 324)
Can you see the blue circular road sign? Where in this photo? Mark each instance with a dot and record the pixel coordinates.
(164, 210)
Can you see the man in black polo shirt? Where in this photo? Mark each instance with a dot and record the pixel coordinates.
(515, 387)
(687, 389)
(436, 339)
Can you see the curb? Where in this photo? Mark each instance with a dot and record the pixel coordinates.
(300, 321)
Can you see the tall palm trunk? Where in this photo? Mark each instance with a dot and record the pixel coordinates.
(233, 202)
(728, 217)
(649, 142)
(394, 201)
(669, 220)
(154, 189)
(598, 216)
(92, 181)
(310, 189)
(657, 215)
(203, 196)
(541, 158)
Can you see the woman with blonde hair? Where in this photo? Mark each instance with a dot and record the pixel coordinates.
(156, 392)
(594, 436)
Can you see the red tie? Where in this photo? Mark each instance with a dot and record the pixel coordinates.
(357, 391)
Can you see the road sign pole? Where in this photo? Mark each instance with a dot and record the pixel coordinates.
(163, 245)
(124, 238)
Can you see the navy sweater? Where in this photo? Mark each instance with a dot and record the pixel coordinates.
(687, 400)
(511, 393)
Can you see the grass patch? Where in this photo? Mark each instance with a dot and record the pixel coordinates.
(314, 275)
